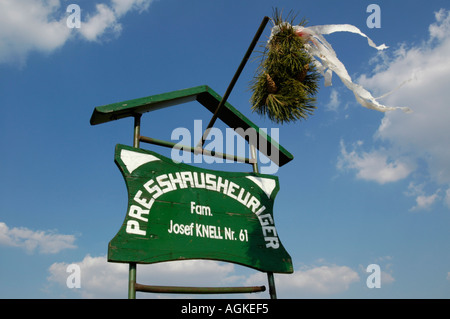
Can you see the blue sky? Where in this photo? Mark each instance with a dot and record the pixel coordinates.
(364, 187)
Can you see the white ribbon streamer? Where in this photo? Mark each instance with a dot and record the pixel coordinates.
(319, 48)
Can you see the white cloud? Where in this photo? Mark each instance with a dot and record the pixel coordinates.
(447, 198)
(96, 25)
(47, 242)
(310, 281)
(40, 25)
(423, 201)
(441, 28)
(123, 6)
(422, 134)
(106, 18)
(334, 102)
(373, 166)
(30, 25)
(100, 279)
(386, 278)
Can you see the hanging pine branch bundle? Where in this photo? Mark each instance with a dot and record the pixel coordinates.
(286, 81)
(292, 62)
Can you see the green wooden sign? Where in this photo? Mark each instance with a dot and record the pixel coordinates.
(177, 211)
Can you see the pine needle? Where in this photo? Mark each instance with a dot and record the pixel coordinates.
(286, 80)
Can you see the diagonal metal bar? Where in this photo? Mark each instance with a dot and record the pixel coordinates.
(234, 80)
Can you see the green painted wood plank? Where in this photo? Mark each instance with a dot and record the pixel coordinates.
(206, 97)
(115, 111)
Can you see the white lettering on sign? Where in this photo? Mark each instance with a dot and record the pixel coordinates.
(181, 229)
(229, 234)
(164, 183)
(200, 210)
(207, 231)
(134, 228)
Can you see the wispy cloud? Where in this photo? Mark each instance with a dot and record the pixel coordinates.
(106, 18)
(103, 20)
(334, 102)
(374, 165)
(41, 25)
(422, 135)
(46, 242)
(423, 201)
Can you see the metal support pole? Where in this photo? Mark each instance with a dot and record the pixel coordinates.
(132, 281)
(133, 266)
(191, 149)
(253, 158)
(270, 277)
(137, 130)
(272, 290)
